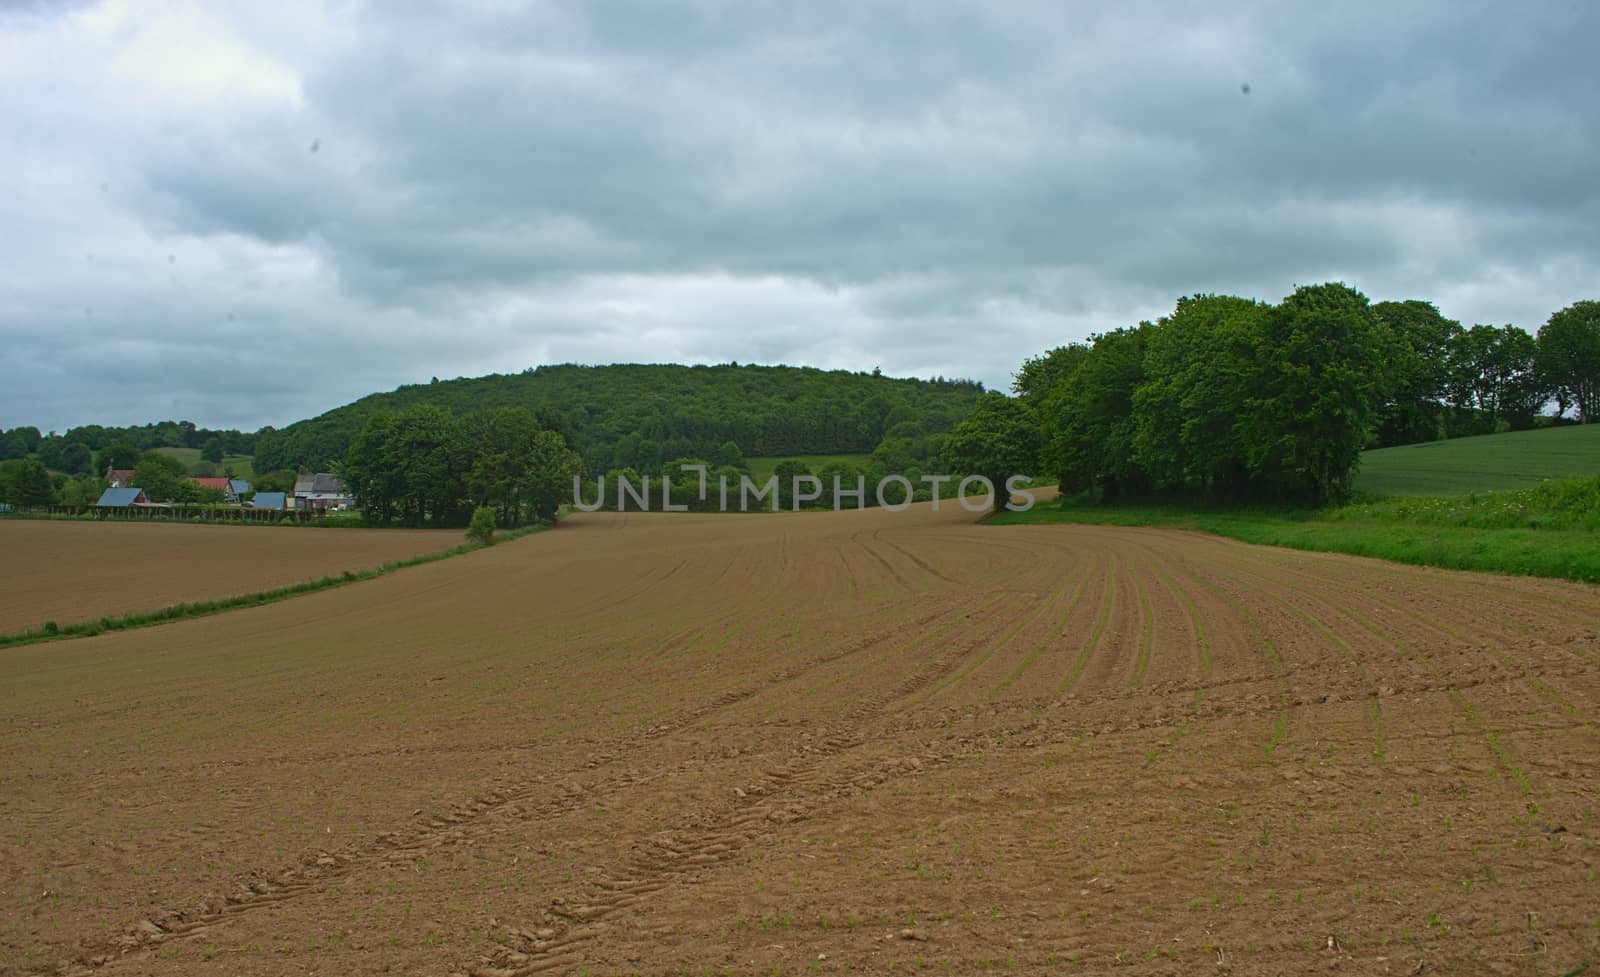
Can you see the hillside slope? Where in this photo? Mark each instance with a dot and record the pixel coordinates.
(1481, 464)
(642, 414)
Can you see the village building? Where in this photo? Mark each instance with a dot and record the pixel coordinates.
(223, 485)
(275, 501)
(321, 492)
(121, 498)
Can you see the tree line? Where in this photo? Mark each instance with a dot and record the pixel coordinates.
(1452, 381)
(795, 484)
(643, 415)
(1233, 399)
(637, 416)
(423, 465)
(74, 452)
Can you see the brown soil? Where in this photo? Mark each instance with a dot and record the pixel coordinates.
(69, 572)
(838, 743)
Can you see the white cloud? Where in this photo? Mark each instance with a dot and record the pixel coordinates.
(244, 214)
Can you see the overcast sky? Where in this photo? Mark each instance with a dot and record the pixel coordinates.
(245, 214)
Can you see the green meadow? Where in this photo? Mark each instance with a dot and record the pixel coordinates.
(1526, 503)
(1481, 464)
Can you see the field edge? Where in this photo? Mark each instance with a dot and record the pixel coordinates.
(1561, 554)
(53, 631)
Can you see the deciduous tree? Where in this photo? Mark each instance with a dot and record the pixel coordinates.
(1413, 407)
(481, 528)
(551, 468)
(1091, 422)
(25, 481)
(76, 458)
(1323, 364)
(998, 440)
(1569, 353)
(120, 456)
(162, 477)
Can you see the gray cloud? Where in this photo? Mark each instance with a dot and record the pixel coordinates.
(244, 219)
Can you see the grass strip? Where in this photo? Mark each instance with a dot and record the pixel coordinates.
(51, 631)
(1489, 533)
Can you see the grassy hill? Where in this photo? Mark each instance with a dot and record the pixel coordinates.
(762, 467)
(1492, 461)
(240, 464)
(640, 415)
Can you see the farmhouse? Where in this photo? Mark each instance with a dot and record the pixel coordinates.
(320, 492)
(223, 485)
(118, 477)
(122, 498)
(268, 500)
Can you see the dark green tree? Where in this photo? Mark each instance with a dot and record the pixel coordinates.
(212, 450)
(28, 436)
(1495, 375)
(367, 474)
(25, 481)
(1197, 366)
(998, 440)
(1091, 427)
(49, 451)
(729, 455)
(1323, 365)
(501, 449)
(428, 459)
(82, 490)
(281, 480)
(1521, 387)
(76, 458)
(1039, 375)
(787, 471)
(163, 478)
(120, 455)
(849, 479)
(423, 465)
(1569, 355)
(1414, 406)
(552, 466)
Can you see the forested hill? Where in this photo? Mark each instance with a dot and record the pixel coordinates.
(639, 415)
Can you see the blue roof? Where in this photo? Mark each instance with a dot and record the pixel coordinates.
(269, 500)
(239, 486)
(119, 498)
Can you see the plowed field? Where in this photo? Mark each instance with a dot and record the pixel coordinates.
(836, 743)
(69, 572)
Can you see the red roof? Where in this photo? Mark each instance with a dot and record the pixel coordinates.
(220, 484)
(120, 475)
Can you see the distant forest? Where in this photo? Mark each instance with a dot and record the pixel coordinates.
(638, 416)
(74, 451)
(624, 416)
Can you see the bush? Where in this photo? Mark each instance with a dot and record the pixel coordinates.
(481, 528)
(343, 520)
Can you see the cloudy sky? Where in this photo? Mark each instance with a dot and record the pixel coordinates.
(244, 214)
